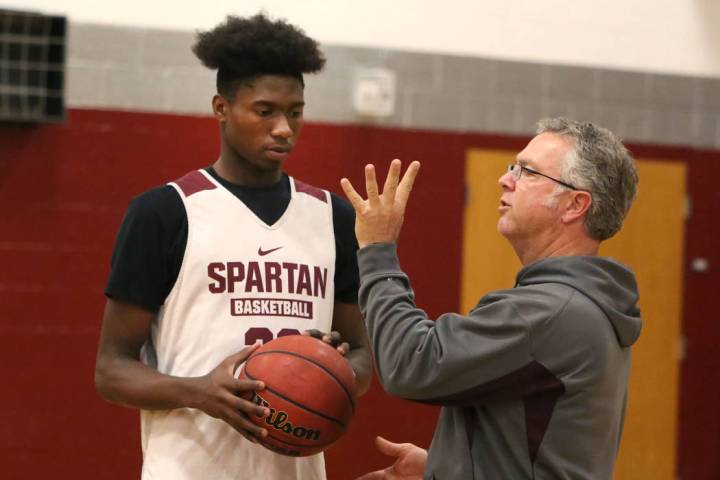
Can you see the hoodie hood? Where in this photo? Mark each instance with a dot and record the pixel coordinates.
(606, 282)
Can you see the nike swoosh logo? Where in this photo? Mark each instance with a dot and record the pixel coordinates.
(262, 252)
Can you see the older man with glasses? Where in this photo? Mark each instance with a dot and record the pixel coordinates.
(533, 381)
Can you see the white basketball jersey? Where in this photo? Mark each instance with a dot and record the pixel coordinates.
(241, 280)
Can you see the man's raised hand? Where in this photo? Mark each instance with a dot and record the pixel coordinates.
(379, 218)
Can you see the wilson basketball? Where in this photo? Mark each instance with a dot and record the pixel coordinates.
(309, 389)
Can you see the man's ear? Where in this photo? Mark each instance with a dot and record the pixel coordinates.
(220, 107)
(576, 207)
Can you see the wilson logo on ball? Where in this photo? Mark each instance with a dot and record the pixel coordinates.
(309, 390)
(279, 420)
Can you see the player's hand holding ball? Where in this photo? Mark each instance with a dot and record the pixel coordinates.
(310, 391)
(220, 395)
(334, 339)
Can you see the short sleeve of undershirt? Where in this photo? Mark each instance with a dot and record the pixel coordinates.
(148, 249)
(347, 280)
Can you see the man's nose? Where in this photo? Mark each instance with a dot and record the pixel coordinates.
(506, 181)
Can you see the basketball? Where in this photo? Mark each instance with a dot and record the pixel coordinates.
(309, 389)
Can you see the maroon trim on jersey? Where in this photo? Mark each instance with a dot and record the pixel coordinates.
(534, 384)
(310, 190)
(194, 182)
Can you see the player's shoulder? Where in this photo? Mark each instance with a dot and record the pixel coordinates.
(155, 213)
(161, 199)
(160, 207)
(342, 209)
(309, 189)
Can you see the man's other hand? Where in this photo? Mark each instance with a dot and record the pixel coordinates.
(409, 465)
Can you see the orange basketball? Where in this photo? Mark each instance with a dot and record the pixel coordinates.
(309, 389)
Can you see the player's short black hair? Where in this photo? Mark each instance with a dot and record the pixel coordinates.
(243, 48)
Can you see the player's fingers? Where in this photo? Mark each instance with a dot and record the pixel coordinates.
(388, 448)
(406, 184)
(333, 338)
(343, 348)
(243, 386)
(353, 197)
(313, 333)
(248, 437)
(245, 427)
(247, 407)
(391, 182)
(234, 360)
(233, 363)
(371, 187)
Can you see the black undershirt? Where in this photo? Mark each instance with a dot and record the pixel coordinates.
(151, 241)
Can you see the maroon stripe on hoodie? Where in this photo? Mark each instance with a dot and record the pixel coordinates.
(538, 388)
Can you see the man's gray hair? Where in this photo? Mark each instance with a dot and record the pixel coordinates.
(600, 164)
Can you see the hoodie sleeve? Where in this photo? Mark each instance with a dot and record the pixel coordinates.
(453, 360)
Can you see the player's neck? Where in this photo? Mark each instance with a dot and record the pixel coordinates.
(241, 172)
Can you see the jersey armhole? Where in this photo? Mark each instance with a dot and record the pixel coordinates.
(181, 270)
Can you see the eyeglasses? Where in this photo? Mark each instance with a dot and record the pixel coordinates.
(516, 171)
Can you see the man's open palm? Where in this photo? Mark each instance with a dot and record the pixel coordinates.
(379, 218)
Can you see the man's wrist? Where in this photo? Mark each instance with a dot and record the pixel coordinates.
(378, 257)
(366, 243)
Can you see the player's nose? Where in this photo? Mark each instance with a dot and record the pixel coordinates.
(281, 128)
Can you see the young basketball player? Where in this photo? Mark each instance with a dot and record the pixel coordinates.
(225, 256)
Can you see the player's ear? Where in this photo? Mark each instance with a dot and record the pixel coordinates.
(220, 107)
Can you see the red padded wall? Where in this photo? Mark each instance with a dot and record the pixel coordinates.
(63, 191)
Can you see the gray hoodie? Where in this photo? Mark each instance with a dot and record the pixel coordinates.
(533, 382)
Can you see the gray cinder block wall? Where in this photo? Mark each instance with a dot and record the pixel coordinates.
(153, 70)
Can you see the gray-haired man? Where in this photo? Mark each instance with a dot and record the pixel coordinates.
(533, 382)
